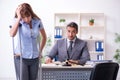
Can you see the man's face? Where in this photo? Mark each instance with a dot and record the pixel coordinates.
(71, 33)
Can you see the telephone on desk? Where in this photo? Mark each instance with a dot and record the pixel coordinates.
(66, 63)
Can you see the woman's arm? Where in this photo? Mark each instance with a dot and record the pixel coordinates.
(15, 26)
(44, 37)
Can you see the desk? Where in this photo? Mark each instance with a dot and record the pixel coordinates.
(56, 72)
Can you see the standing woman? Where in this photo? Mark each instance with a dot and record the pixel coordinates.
(29, 26)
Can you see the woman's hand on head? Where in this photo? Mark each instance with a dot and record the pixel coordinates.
(18, 11)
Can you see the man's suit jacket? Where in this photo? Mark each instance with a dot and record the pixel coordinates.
(79, 52)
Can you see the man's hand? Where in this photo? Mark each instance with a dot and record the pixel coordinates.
(73, 61)
(48, 60)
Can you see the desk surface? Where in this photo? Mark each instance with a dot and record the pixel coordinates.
(52, 65)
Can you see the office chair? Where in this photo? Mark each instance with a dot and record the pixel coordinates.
(105, 71)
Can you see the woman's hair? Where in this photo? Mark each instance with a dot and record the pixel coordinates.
(26, 11)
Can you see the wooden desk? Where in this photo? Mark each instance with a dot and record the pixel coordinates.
(58, 72)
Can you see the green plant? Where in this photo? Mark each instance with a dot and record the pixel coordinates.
(117, 51)
(62, 20)
(91, 20)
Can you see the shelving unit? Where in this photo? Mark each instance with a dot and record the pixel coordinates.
(94, 35)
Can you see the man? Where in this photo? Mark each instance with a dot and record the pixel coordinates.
(75, 52)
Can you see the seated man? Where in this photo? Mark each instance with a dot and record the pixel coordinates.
(71, 48)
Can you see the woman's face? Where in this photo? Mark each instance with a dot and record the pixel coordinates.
(27, 19)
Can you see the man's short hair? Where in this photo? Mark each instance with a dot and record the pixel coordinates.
(74, 25)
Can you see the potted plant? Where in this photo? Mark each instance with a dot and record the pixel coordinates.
(47, 48)
(91, 21)
(62, 21)
(117, 52)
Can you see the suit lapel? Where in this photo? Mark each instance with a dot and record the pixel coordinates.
(64, 48)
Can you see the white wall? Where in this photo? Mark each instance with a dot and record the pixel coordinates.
(46, 9)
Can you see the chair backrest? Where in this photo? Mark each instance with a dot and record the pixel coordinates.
(105, 71)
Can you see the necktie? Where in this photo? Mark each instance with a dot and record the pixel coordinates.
(70, 48)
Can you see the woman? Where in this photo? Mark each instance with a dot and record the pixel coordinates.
(29, 26)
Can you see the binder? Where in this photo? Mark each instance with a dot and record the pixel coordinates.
(58, 32)
(100, 56)
(99, 46)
